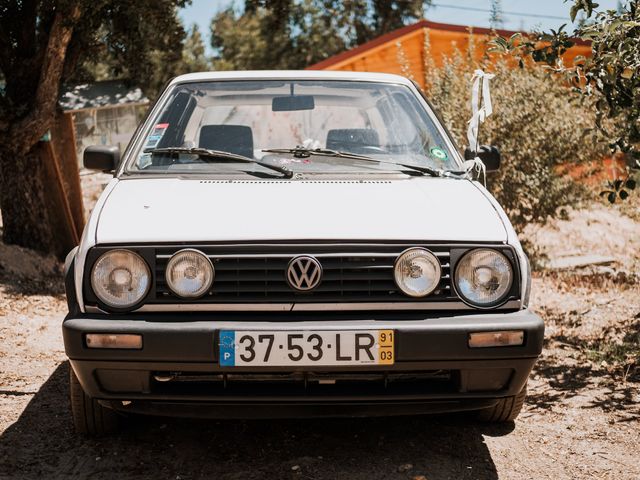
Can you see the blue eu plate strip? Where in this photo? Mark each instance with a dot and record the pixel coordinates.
(227, 348)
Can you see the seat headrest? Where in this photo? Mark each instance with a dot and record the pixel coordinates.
(236, 139)
(352, 139)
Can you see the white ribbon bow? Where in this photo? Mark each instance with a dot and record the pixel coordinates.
(481, 108)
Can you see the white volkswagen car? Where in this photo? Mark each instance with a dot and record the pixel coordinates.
(281, 244)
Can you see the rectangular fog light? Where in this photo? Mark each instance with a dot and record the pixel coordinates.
(113, 340)
(503, 338)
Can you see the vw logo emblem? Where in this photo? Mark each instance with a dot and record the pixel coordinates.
(304, 273)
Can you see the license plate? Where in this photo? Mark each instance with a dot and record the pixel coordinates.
(306, 348)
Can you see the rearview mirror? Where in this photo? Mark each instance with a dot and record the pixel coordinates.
(292, 103)
(489, 155)
(101, 157)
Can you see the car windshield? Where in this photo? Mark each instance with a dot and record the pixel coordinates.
(206, 127)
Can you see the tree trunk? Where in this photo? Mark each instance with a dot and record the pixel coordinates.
(25, 187)
(25, 213)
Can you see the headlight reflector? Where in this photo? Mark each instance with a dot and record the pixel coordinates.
(483, 277)
(417, 272)
(120, 278)
(189, 273)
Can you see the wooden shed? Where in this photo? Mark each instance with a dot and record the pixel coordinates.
(381, 54)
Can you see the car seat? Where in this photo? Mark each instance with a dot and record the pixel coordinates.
(354, 140)
(236, 139)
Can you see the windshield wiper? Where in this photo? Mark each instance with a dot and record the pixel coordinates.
(220, 155)
(303, 152)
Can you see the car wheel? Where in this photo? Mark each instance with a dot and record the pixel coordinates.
(89, 417)
(506, 410)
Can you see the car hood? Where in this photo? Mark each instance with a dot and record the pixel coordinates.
(192, 210)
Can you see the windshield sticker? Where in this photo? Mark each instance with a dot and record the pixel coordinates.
(156, 135)
(438, 153)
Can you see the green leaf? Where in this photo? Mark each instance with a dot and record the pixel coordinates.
(630, 184)
(612, 197)
(574, 11)
(623, 194)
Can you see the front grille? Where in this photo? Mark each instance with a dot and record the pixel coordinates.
(257, 274)
(304, 384)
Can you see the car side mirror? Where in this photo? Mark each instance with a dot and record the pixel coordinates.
(101, 157)
(489, 155)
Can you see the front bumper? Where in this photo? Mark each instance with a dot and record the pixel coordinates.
(435, 370)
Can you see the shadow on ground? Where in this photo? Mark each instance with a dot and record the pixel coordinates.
(41, 444)
(616, 388)
(13, 285)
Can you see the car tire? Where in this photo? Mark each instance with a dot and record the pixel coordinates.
(506, 410)
(89, 417)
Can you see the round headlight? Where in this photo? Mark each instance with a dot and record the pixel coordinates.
(417, 272)
(120, 278)
(484, 277)
(189, 273)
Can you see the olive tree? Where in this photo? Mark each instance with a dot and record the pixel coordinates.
(44, 43)
(611, 74)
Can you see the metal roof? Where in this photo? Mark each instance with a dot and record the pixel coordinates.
(100, 94)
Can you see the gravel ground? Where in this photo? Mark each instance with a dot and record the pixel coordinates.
(581, 419)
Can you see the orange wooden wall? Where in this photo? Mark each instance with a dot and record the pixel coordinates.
(381, 55)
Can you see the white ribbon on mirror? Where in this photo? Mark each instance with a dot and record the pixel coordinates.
(481, 108)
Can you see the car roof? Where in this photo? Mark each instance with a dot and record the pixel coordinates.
(291, 75)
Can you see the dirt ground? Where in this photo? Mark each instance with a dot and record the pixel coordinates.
(581, 419)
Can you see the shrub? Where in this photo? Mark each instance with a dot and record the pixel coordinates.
(538, 123)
